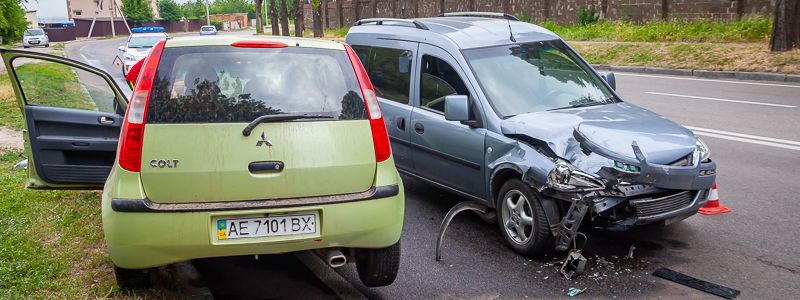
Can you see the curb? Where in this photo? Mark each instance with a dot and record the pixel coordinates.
(754, 76)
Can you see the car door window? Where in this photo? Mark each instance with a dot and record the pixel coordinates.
(51, 84)
(437, 81)
(389, 70)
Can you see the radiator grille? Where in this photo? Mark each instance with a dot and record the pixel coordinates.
(655, 206)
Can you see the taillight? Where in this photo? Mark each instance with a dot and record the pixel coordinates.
(380, 139)
(132, 135)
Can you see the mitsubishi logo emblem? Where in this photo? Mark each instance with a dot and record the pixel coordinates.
(264, 141)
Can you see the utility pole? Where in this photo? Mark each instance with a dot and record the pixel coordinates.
(118, 9)
(208, 17)
(113, 33)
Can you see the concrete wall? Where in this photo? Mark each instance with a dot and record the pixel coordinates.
(560, 11)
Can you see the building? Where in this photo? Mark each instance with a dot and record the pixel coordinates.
(231, 21)
(85, 9)
(33, 18)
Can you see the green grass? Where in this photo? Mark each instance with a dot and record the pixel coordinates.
(53, 84)
(749, 57)
(750, 29)
(10, 115)
(51, 243)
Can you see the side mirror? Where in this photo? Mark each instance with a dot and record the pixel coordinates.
(121, 48)
(610, 79)
(456, 108)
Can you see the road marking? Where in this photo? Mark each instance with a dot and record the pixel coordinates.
(746, 138)
(769, 139)
(331, 278)
(722, 100)
(710, 80)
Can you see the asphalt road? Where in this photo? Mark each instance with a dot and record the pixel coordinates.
(753, 130)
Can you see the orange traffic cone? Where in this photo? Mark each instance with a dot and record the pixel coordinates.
(713, 207)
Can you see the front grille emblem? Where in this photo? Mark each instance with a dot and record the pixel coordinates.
(264, 141)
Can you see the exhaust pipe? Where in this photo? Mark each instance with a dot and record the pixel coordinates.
(333, 257)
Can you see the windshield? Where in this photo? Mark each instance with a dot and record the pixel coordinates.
(533, 77)
(31, 32)
(144, 41)
(204, 28)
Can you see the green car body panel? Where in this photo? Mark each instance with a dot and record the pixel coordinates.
(141, 240)
(207, 164)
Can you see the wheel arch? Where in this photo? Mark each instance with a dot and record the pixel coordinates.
(506, 171)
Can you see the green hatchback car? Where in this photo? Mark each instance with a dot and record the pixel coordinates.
(228, 146)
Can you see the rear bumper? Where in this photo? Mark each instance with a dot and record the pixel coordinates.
(149, 238)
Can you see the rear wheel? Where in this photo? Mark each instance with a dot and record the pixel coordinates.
(129, 279)
(521, 219)
(378, 267)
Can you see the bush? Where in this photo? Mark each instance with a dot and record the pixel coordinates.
(586, 17)
(216, 24)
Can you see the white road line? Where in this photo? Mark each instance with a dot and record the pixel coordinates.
(710, 80)
(744, 140)
(742, 135)
(722, 100)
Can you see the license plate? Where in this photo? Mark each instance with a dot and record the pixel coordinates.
(33, 42)
(239, 228)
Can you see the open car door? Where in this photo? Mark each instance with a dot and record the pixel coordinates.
(73, 113)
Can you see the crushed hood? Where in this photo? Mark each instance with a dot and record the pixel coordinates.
(612, 126)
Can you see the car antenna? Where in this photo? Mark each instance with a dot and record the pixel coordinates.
(510, 33)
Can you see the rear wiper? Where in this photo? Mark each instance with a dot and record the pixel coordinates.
(278, 118)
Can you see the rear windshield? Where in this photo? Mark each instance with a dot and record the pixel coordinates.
(217, 84)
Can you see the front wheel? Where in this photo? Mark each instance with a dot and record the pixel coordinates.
(521, 219)
(378, 267)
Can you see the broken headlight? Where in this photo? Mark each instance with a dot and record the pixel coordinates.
(567, 178)
(703, 151)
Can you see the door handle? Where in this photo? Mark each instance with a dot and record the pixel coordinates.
(419, 128)
(401, 123)
(105, 120)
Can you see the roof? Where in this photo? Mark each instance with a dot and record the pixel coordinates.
(224, 40)
(149, 34)
(465, 32)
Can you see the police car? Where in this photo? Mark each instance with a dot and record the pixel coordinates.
(139, 44)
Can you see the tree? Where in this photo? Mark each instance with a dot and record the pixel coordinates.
(169, 9)
(316, 17)
(259, 21)
(299, 22)
(284, 18)
(194, 10)
(137, 11)
(786, 26)
(273, 18)
(12, 21)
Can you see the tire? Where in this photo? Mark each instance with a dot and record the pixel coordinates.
(530, 237)
(26, 47)
(130, 279)
(378, 267)
(47, 45)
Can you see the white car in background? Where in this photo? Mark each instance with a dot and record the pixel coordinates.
(137, 47)
(208, 30)
(35, 37)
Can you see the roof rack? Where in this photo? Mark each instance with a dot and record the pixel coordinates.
(379, 21)
(479, 14)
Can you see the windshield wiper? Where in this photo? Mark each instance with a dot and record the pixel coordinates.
(278, 118)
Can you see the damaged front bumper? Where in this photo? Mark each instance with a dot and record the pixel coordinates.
(635, 192)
